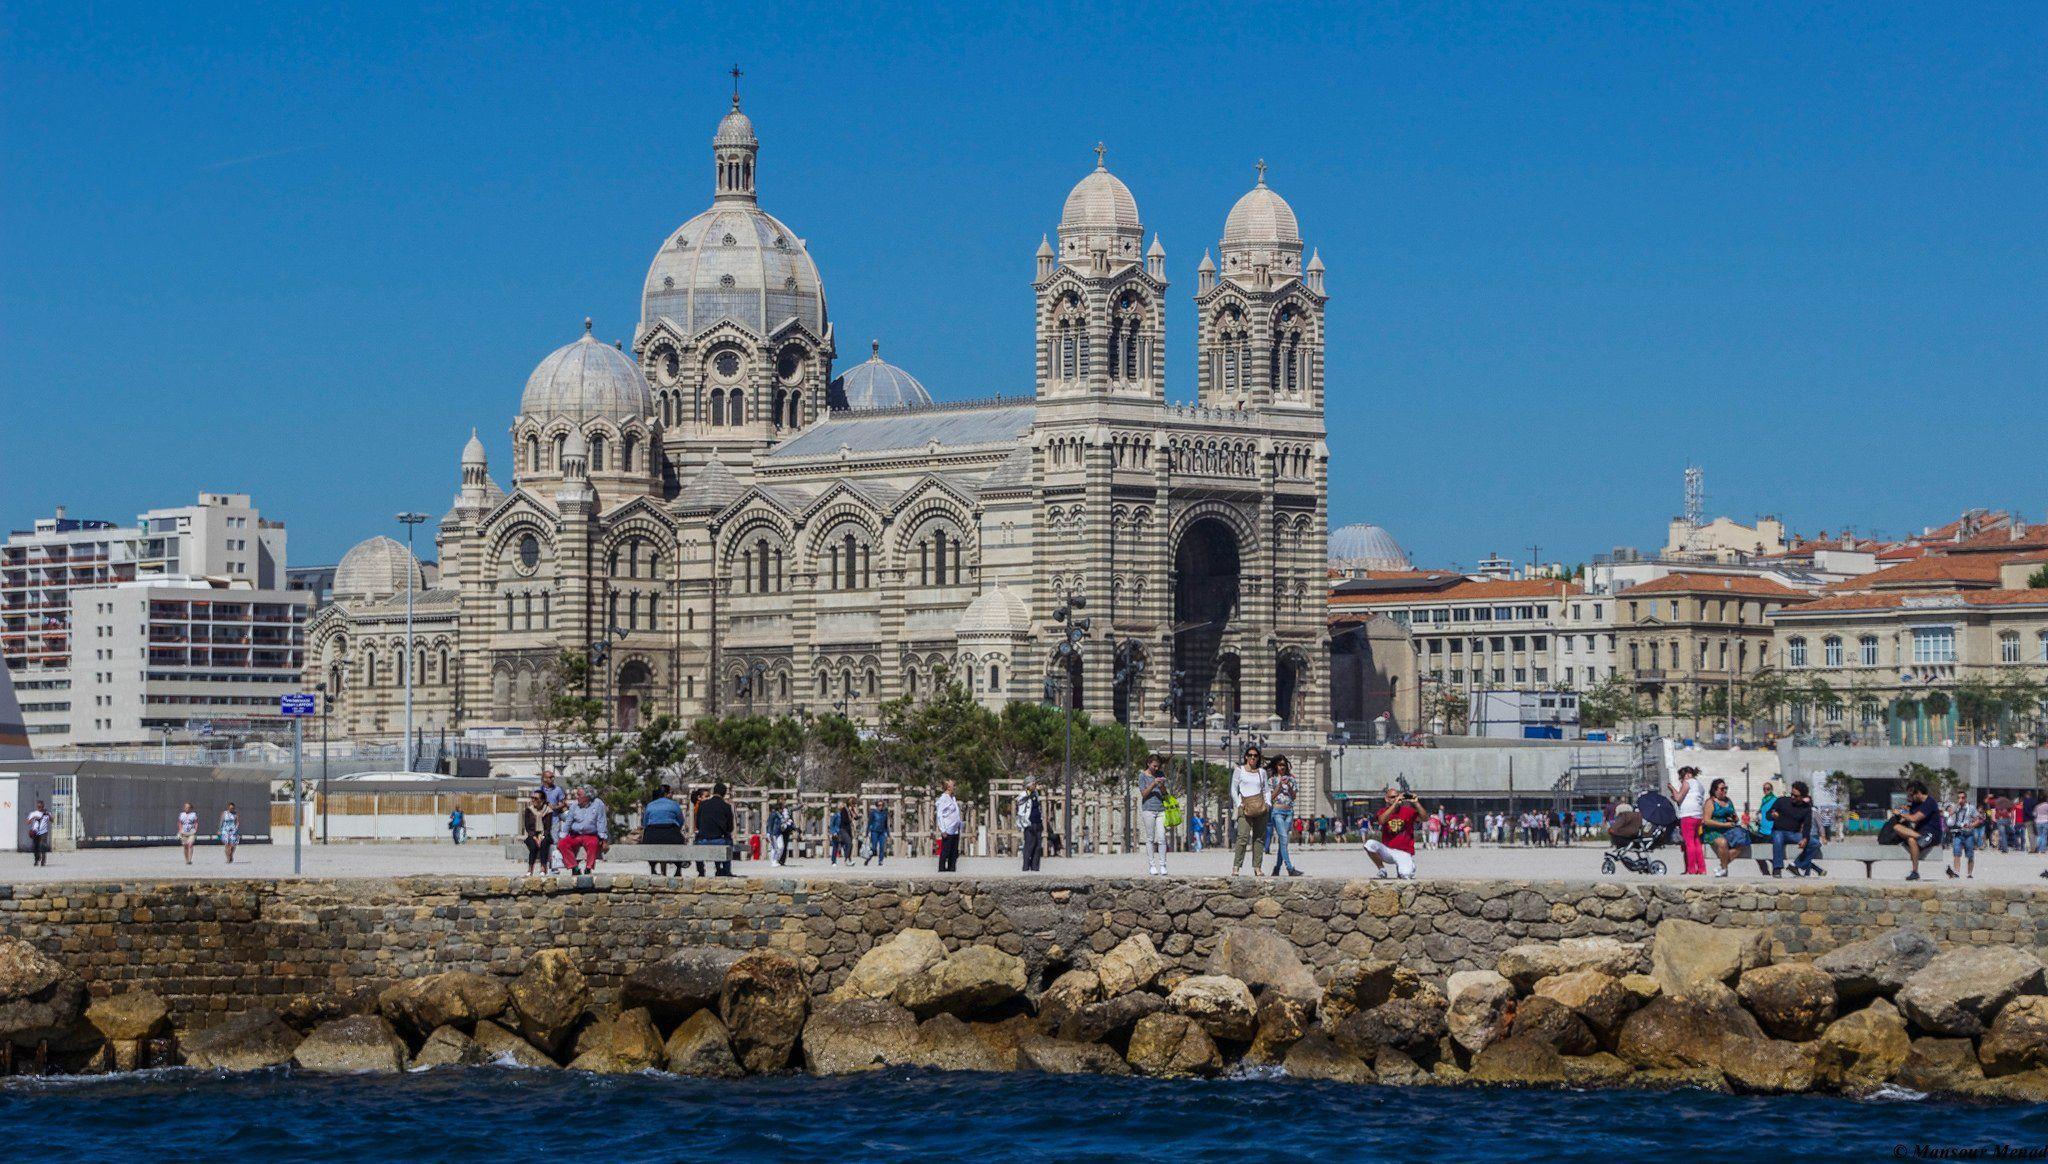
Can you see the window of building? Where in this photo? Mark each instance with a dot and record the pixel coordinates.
(1866, 649)
(1795, 653)
(1542, 674)
(1500, 675)
(1518, 643)
(1521, 674)
(1831, 651)
(2042, 653)
(2009, 647)
(1934, 644)
(1539, 643)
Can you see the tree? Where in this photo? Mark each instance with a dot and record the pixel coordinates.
(1449, 707)
(1611, 703)
(749, 749)
(2038, 580)
(566, 710)
(1980, 705)
(1944, 783)
(1845, 787)
(626, 767)
(948, 736)
(1824, 698)
(1767, 692)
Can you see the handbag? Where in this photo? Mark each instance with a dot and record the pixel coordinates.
(1253, 805)
(1173, 814)
(1889, 834)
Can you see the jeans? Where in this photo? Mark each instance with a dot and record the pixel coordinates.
(1034, 848)
(39, 847)
(720, 868)
(949, 853)
(1281, 828)
(878, 847)
(1779, 840)
(1251, 833)
(1152, 835)
(841, 845)
(2040, 837)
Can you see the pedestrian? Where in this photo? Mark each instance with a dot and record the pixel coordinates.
(230, 831)
(557, 799)
(1198, 831)
(2041, 824)
(1764, 825)
(781, 829)
(713, 825)
(1396, 843)
(1031, 825)
(1248, 796)
(840, 827)
(533, 829)
(1793, 822)
(949, 820)
(878, 834)
(661, 823)
(39, 834)
(1280, 793)
(455, 826)
(1152, 813)
(586, 832)
(1964, 821)
(1691, 798)
(1917, 827)
(188, 830)
(1723, 827)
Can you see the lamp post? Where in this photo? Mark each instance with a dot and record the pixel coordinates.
(410, 520)
(1130, 668)
(749, 681)
(321, 687)
(1068, 655)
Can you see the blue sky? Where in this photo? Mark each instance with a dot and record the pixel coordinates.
(301, 250)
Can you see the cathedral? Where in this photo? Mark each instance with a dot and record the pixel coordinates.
(733, 521)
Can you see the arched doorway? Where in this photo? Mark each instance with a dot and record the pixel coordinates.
(1205, 589)
(1290, 677)
(1129, 695)
(636, 682)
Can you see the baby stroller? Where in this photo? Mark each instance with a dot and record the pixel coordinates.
(1634, 835)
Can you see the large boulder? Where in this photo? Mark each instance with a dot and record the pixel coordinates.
(1793, 1000)
(1599, 1069)
(1066, 996)
(39, 999)
(1283, 1020)
(1548, 1021)
(363, 1044)
(1261, 959)
(1957, 993)
(971, 981)
(1942, 1065)
(763, 1005)
(945, 1043)
(1111, 1019)
(448, 1047)
(1876, 966)
(548, 998)
(620, 1046)
(1685, 954)
(1595, 996)
(505, 1048)
(2018, 1038)
(1223, 1006)
(860, 1034)
(1133, 964)
(1478, 1002)
(1317, 1057)
(459, 998)
(1065, 1057)
(1172, 1046)
(250, 1041)
(1778, 1067)
(1521, 1061)
(679, 985)
(888, 966)
(1527, 965)
(1409, 1025)
(1870, 1045)
(701, 1047)
(1689, 1031)
(1356, 985)
(130, 1016)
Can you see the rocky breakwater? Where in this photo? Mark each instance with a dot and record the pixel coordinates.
(1695, 1005)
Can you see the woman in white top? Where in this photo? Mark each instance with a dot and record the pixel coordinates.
(188, 829)
(230, 831)
(1248, 791)
(1690, 795)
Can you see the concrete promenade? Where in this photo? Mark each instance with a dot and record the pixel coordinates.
(486, 858)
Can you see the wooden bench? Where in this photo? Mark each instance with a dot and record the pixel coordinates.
(686, 855)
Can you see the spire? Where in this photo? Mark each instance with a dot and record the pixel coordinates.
(733, 151)
(1100, 151)
(736, 74)
(874, 349)
(1155, 259)
(1044, 246)
(1261, 166)
(1208, 265)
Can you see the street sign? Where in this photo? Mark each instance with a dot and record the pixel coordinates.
(299, 703)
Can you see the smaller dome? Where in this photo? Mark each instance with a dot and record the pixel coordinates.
(735, 128)
(1261, 219)
(995, 612)
(1363, 546)
(585, 380)
(876, 383)
(473, 452)
(1100, 204)
(377, 568)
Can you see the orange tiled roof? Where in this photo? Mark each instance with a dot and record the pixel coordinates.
(2001, 540)
(1683, 583)
(1934, 570)
(1894, 600)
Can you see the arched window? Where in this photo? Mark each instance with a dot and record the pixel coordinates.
(561, 439)
(508, 611)
(597, 453)
(761, 565)
(796, 409)
(526, 611)
(735, 407)
(532, 453)
(874, 683)
(1795, 653)
(2009, 647)
(850, 561)
(370, 668)
(939, 554)
(626, 452)
(1866, 650)
(1831, 651)
(910, 682)
(718, 406)
(995, 677)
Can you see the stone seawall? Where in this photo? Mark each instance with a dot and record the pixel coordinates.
(224, 946)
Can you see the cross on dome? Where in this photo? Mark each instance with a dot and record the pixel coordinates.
(1100, 150)
(736, 74)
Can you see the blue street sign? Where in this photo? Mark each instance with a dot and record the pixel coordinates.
(299, 703)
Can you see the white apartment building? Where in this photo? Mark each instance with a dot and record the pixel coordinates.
(1586, 641)
(175, 657)
(1470, 634)
(46, 569)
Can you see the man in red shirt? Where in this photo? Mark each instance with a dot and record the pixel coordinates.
(1396, 842)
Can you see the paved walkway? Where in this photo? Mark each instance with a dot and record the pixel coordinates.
(486, 858)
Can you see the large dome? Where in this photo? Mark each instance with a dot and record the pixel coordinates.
(1362, 546)
(585, 380)
(1101, 203)
(377, 568)
(876, 383)
(1261, 219)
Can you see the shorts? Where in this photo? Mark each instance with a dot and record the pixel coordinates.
(1964, 842)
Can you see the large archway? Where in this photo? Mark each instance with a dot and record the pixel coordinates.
(1205, 591)
(636, 683)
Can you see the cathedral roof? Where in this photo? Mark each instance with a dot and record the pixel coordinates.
(876, 383)
(376, 568)
(967, 425)
(1364, 546)
(995, 612)
(1100, 202)
(473, 452)
(713, 487)
(1014, 473)
(1261, 219)
(585, 380)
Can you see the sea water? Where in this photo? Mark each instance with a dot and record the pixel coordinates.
(503, 1115)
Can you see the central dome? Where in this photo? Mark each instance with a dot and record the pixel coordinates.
(1364, 546)
(876, 383)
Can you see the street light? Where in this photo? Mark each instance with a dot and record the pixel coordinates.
(321, 687)
(1130, 669)
(410, 520)
(1068, 655)
(748, 681)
